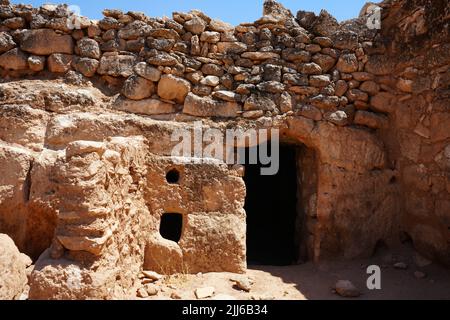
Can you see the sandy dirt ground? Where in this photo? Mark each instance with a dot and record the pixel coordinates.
(311, 281)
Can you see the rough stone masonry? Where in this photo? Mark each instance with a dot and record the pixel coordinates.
(88, 108)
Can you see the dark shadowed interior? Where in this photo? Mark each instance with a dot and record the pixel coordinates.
(271, 211)
(171, 226)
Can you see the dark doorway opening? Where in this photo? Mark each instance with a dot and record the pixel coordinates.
(171, 226)
(271, 207)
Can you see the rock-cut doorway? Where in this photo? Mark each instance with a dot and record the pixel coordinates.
(271, 208)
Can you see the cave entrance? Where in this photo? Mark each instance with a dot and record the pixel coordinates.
(271, 207)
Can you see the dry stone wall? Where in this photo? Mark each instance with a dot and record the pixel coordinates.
(88, 109)
(202, 66)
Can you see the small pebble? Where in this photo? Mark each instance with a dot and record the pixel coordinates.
(401, 266)
(202, 293)
(421, 261)
(152, 290)
(419, 275)
(152, 275)
(142, 293)
(242, 283)
(346, 289)
(175, 295)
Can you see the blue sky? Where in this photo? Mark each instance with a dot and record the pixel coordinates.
(232, 11)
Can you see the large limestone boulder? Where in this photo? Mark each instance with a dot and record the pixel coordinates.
(196, 25)
(64, 279)
(13, 265)
(138, 88)
(116, 65)
(44, 42)
(207, 107)
(173, 88)
(145, 106)
(88, 48)
(148, 72)
(14, 59)
(59, 63)
(88, 67)
(276, 10)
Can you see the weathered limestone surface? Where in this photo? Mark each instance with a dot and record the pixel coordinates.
(103, 184)
(419, 116)
(13, 265)
(85, 139)
(210, 196)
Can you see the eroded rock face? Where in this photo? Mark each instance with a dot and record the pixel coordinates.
(87, 232)
(206, 195)
(419, 111)
(84, 156)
